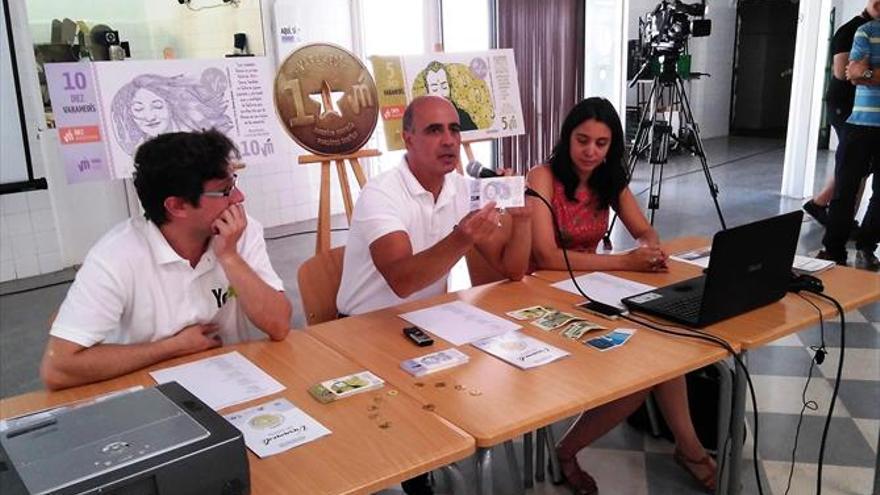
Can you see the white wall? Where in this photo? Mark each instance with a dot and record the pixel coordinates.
(29, 240)
(45, 231)
(709, 96)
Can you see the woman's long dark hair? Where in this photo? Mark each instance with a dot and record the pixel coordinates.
(610, 177)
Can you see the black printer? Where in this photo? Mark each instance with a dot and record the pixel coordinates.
(160, 440)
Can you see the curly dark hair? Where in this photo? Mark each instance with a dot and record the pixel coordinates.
(178, 164)
(610, 177)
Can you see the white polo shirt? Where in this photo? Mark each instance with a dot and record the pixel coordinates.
(134, 288)
(396, 201)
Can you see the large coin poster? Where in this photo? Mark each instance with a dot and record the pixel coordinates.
(482, 86)
(105, 110)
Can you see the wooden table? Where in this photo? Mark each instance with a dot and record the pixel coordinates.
(363, 454)
(494, 401)
(850, 287)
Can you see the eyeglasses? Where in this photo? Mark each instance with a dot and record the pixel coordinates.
(225, 192)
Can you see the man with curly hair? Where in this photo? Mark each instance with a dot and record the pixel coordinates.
(190, 275)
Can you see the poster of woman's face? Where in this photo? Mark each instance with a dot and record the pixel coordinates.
(153, 104)
(150, 112)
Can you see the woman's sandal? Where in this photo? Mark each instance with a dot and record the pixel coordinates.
(580, 482)
(694, 467)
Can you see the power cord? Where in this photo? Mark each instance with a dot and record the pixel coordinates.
(817, 359)
(700, 335)
(836, 388)
(696, 335)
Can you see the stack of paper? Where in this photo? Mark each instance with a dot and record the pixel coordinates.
(807, 265)
(436, 361)
(801, 264)
(604, 288)
(221, 381)
(459, 323)
(520, 350)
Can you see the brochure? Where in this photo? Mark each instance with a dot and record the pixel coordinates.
(520, 350)
(276, 426)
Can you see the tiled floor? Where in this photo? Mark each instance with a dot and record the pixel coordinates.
(748, 172)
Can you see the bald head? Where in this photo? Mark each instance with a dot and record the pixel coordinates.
(418, 103)
(431, 133)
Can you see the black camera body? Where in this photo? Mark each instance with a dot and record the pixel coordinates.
(666, 30)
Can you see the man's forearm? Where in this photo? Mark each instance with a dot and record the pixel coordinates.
(267, 308)
(415, 272)
(101, 362)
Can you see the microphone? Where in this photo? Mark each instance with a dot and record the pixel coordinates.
(476, 170)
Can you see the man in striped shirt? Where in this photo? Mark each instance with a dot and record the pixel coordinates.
(861, 157)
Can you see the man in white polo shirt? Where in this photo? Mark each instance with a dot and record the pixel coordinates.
(189, 276)
(412, 224)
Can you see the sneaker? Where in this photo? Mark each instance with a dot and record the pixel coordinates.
(867, 259)
(825, 255)
(818, 212)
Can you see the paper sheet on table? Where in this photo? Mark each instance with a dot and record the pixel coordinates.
(801, 264)
(276, 426)
(604, 288)
(221, 381)
(459, 323)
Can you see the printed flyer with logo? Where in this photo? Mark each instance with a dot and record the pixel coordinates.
(482, 86)
(105, 110)
(276, 426)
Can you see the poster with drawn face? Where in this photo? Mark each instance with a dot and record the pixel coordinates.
(482, 86)
(147, 105)
(133, 101)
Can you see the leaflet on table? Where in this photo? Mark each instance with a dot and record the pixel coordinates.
(459, 323)
(604, 288)
(221, 381)
(520, 350)
(105, 110)
(801, 264)
(506, 192)
(276, 426)
(435, 361)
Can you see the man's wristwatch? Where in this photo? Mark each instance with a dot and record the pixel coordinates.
(868, 74)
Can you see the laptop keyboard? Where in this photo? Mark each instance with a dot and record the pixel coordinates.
(686, 307)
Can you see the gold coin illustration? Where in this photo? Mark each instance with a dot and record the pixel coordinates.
(326, 99)
(266, 421)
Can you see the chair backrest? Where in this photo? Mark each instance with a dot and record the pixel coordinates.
(319, 279)
(480, 270)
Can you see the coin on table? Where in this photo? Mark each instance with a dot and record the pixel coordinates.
(326, 99)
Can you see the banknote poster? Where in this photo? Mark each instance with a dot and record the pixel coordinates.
(105, 110)
(482, 87)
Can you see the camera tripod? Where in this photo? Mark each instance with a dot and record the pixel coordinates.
(654, 135)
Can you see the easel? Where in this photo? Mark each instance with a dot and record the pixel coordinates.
(322, 244)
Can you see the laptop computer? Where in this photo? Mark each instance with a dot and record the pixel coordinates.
(749, 267)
